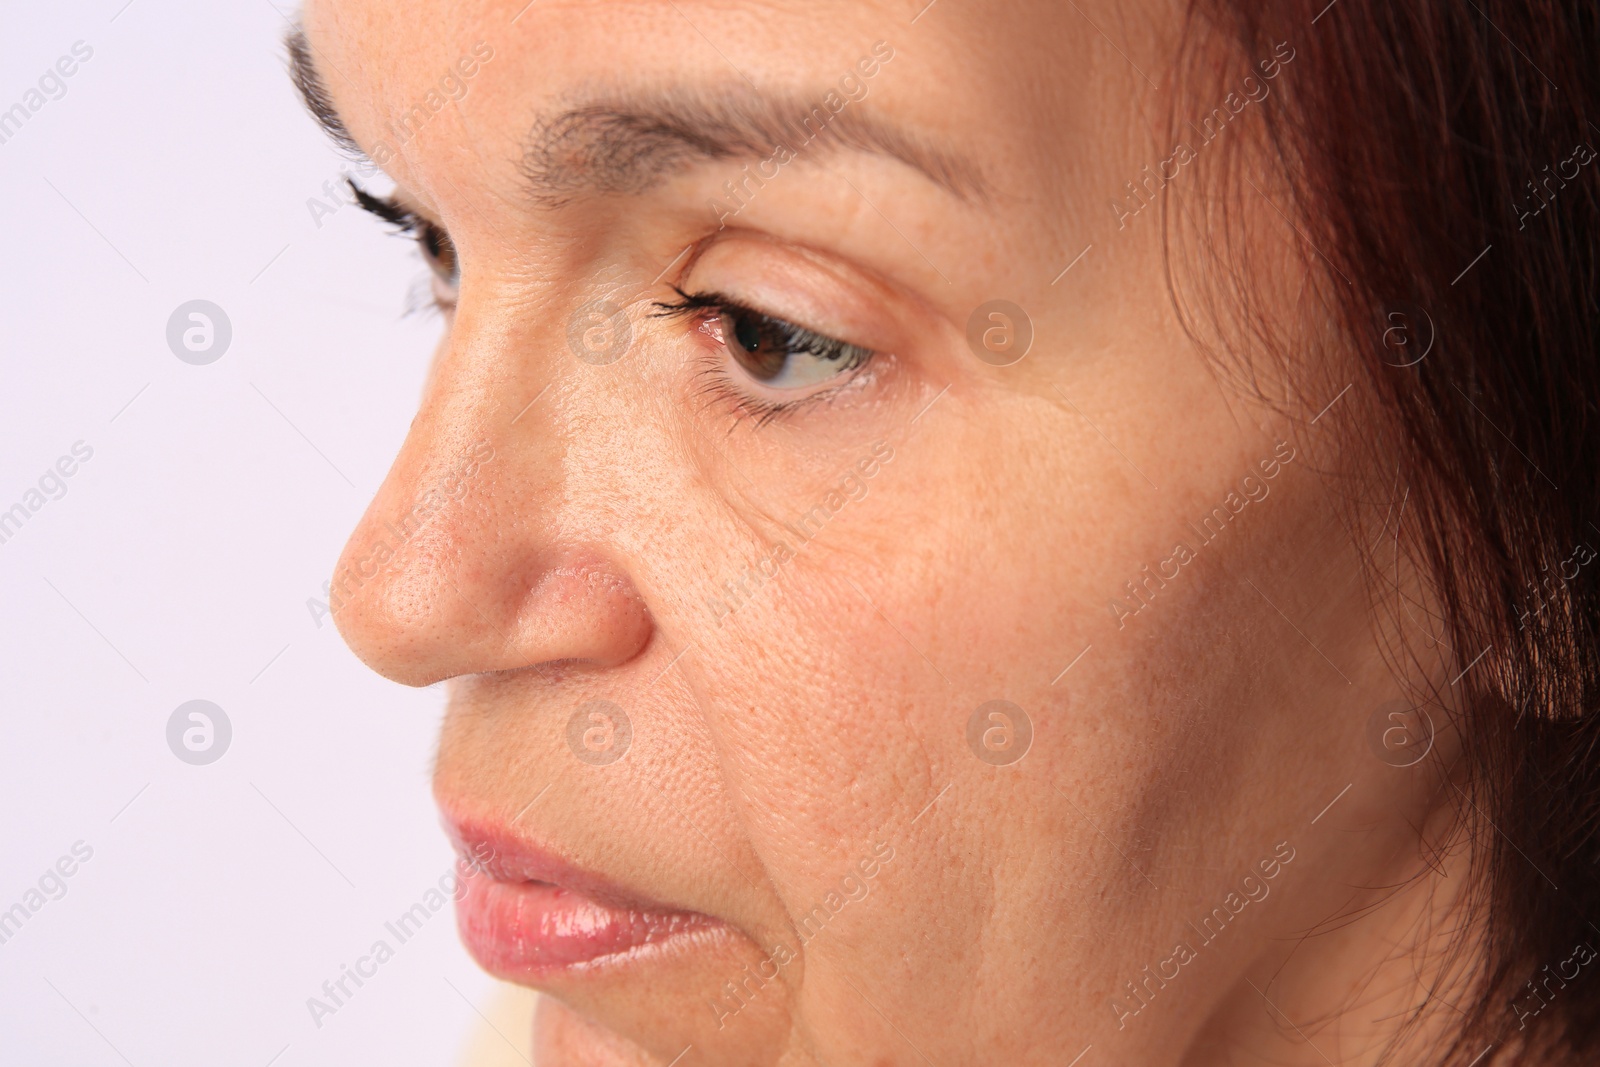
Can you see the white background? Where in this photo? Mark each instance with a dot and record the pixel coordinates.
(178, 165)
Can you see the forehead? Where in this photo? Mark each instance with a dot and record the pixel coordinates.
(577, 34)
(426, 82)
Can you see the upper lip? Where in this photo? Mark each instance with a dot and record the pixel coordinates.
(502, 854)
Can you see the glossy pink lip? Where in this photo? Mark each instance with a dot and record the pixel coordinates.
(525, 912)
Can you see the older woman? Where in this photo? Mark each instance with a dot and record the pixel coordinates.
(972, 533)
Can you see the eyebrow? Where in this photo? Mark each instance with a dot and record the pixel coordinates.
(314, 92)
(628, 143)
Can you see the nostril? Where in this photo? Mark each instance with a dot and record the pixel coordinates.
(430, 619)
(584, 610)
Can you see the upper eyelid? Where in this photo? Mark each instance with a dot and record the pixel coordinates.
(853, 285)
(691, 303)
(411, 220)
(393, 210)
(716, 301)
(764, 409)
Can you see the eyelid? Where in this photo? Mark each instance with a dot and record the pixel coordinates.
(746, 401)
(412, 222)
(704, 304)
(792, 282)
(393, 210)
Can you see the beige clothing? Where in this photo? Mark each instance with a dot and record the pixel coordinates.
(506, 1038)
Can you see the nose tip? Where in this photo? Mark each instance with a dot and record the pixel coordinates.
(431, 615)
(482, 565)
(491, 546)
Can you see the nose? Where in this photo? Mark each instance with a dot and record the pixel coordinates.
(474, 556)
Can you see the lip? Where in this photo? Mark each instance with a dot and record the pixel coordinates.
(526, 912)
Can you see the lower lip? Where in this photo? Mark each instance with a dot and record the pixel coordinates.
(523, 929)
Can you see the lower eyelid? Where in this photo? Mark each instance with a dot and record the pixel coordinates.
(446, 296)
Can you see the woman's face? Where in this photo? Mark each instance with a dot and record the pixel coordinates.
(813, 382)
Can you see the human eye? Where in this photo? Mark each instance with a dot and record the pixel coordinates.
(769, 363)
(437, 249)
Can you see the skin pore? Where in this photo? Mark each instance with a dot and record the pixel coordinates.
(796, 711)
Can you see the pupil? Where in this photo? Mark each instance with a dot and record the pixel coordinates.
(755, 352)
(440, 253)
(747, 333)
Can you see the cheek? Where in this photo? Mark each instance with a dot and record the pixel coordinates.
(967, 577)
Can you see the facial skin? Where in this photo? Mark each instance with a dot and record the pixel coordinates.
(792, 717)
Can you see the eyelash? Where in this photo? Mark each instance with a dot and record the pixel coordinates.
(437, 248)
(440, 254)
(796, 339)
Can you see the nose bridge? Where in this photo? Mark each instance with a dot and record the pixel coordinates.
(464, 562)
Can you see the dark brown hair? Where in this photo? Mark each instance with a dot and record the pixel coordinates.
(1440, 164)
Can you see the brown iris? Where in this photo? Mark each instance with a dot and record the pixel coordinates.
(758, 347)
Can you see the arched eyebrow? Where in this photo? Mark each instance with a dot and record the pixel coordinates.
(628, 142)
(314, 92)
